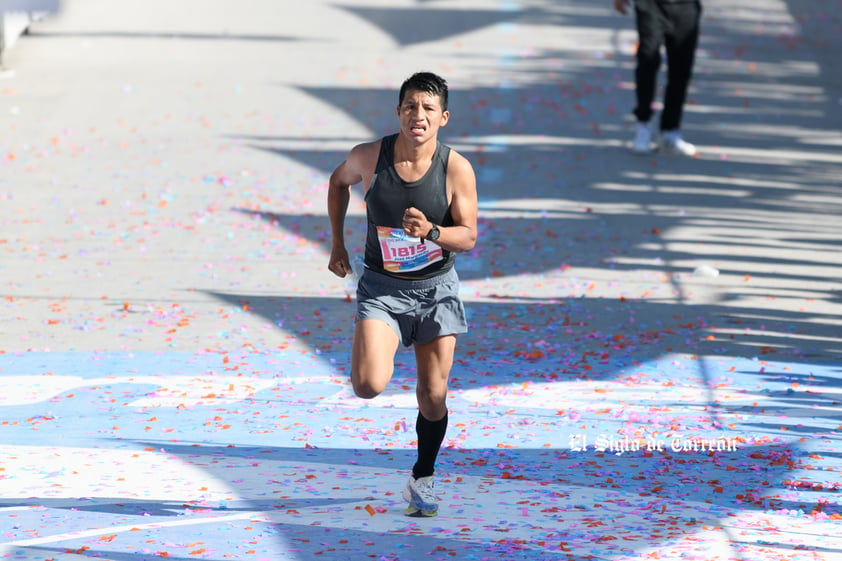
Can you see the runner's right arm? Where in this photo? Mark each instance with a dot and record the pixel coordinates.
(356, 167)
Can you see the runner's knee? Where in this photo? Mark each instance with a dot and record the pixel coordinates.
(369, 384)
(365, 390)
(431, 400)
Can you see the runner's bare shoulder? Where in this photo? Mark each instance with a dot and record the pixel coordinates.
(362, 159)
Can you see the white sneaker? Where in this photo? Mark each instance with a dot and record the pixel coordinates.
(642, 143)
(672, 143)
(421, 496)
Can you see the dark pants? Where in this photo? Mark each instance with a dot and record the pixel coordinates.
(674, 25)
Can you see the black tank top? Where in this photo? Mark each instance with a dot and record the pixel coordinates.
(389, 195)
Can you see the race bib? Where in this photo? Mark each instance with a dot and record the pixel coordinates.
(403, 253)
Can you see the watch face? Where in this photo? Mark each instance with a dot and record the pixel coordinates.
(434, 233)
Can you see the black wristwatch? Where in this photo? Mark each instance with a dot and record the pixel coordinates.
(434, 234)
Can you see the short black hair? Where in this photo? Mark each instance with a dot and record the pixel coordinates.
(428, 82)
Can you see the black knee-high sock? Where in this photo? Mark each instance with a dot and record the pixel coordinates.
(430, 436)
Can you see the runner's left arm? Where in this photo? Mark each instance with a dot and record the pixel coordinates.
(462, 236)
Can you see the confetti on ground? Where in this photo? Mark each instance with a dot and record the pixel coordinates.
(652, 369)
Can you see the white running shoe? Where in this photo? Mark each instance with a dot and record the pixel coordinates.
(672, 143)
(421, 496)
(642, 143)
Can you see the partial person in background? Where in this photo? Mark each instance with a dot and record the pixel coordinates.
(674, 25)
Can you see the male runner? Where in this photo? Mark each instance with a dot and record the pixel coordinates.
(421, 206)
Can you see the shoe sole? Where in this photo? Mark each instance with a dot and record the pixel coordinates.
(637, 152)
(414, 512)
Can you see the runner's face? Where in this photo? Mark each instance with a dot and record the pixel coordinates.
(421, 115)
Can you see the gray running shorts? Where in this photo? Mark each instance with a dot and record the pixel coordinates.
(418, 310)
